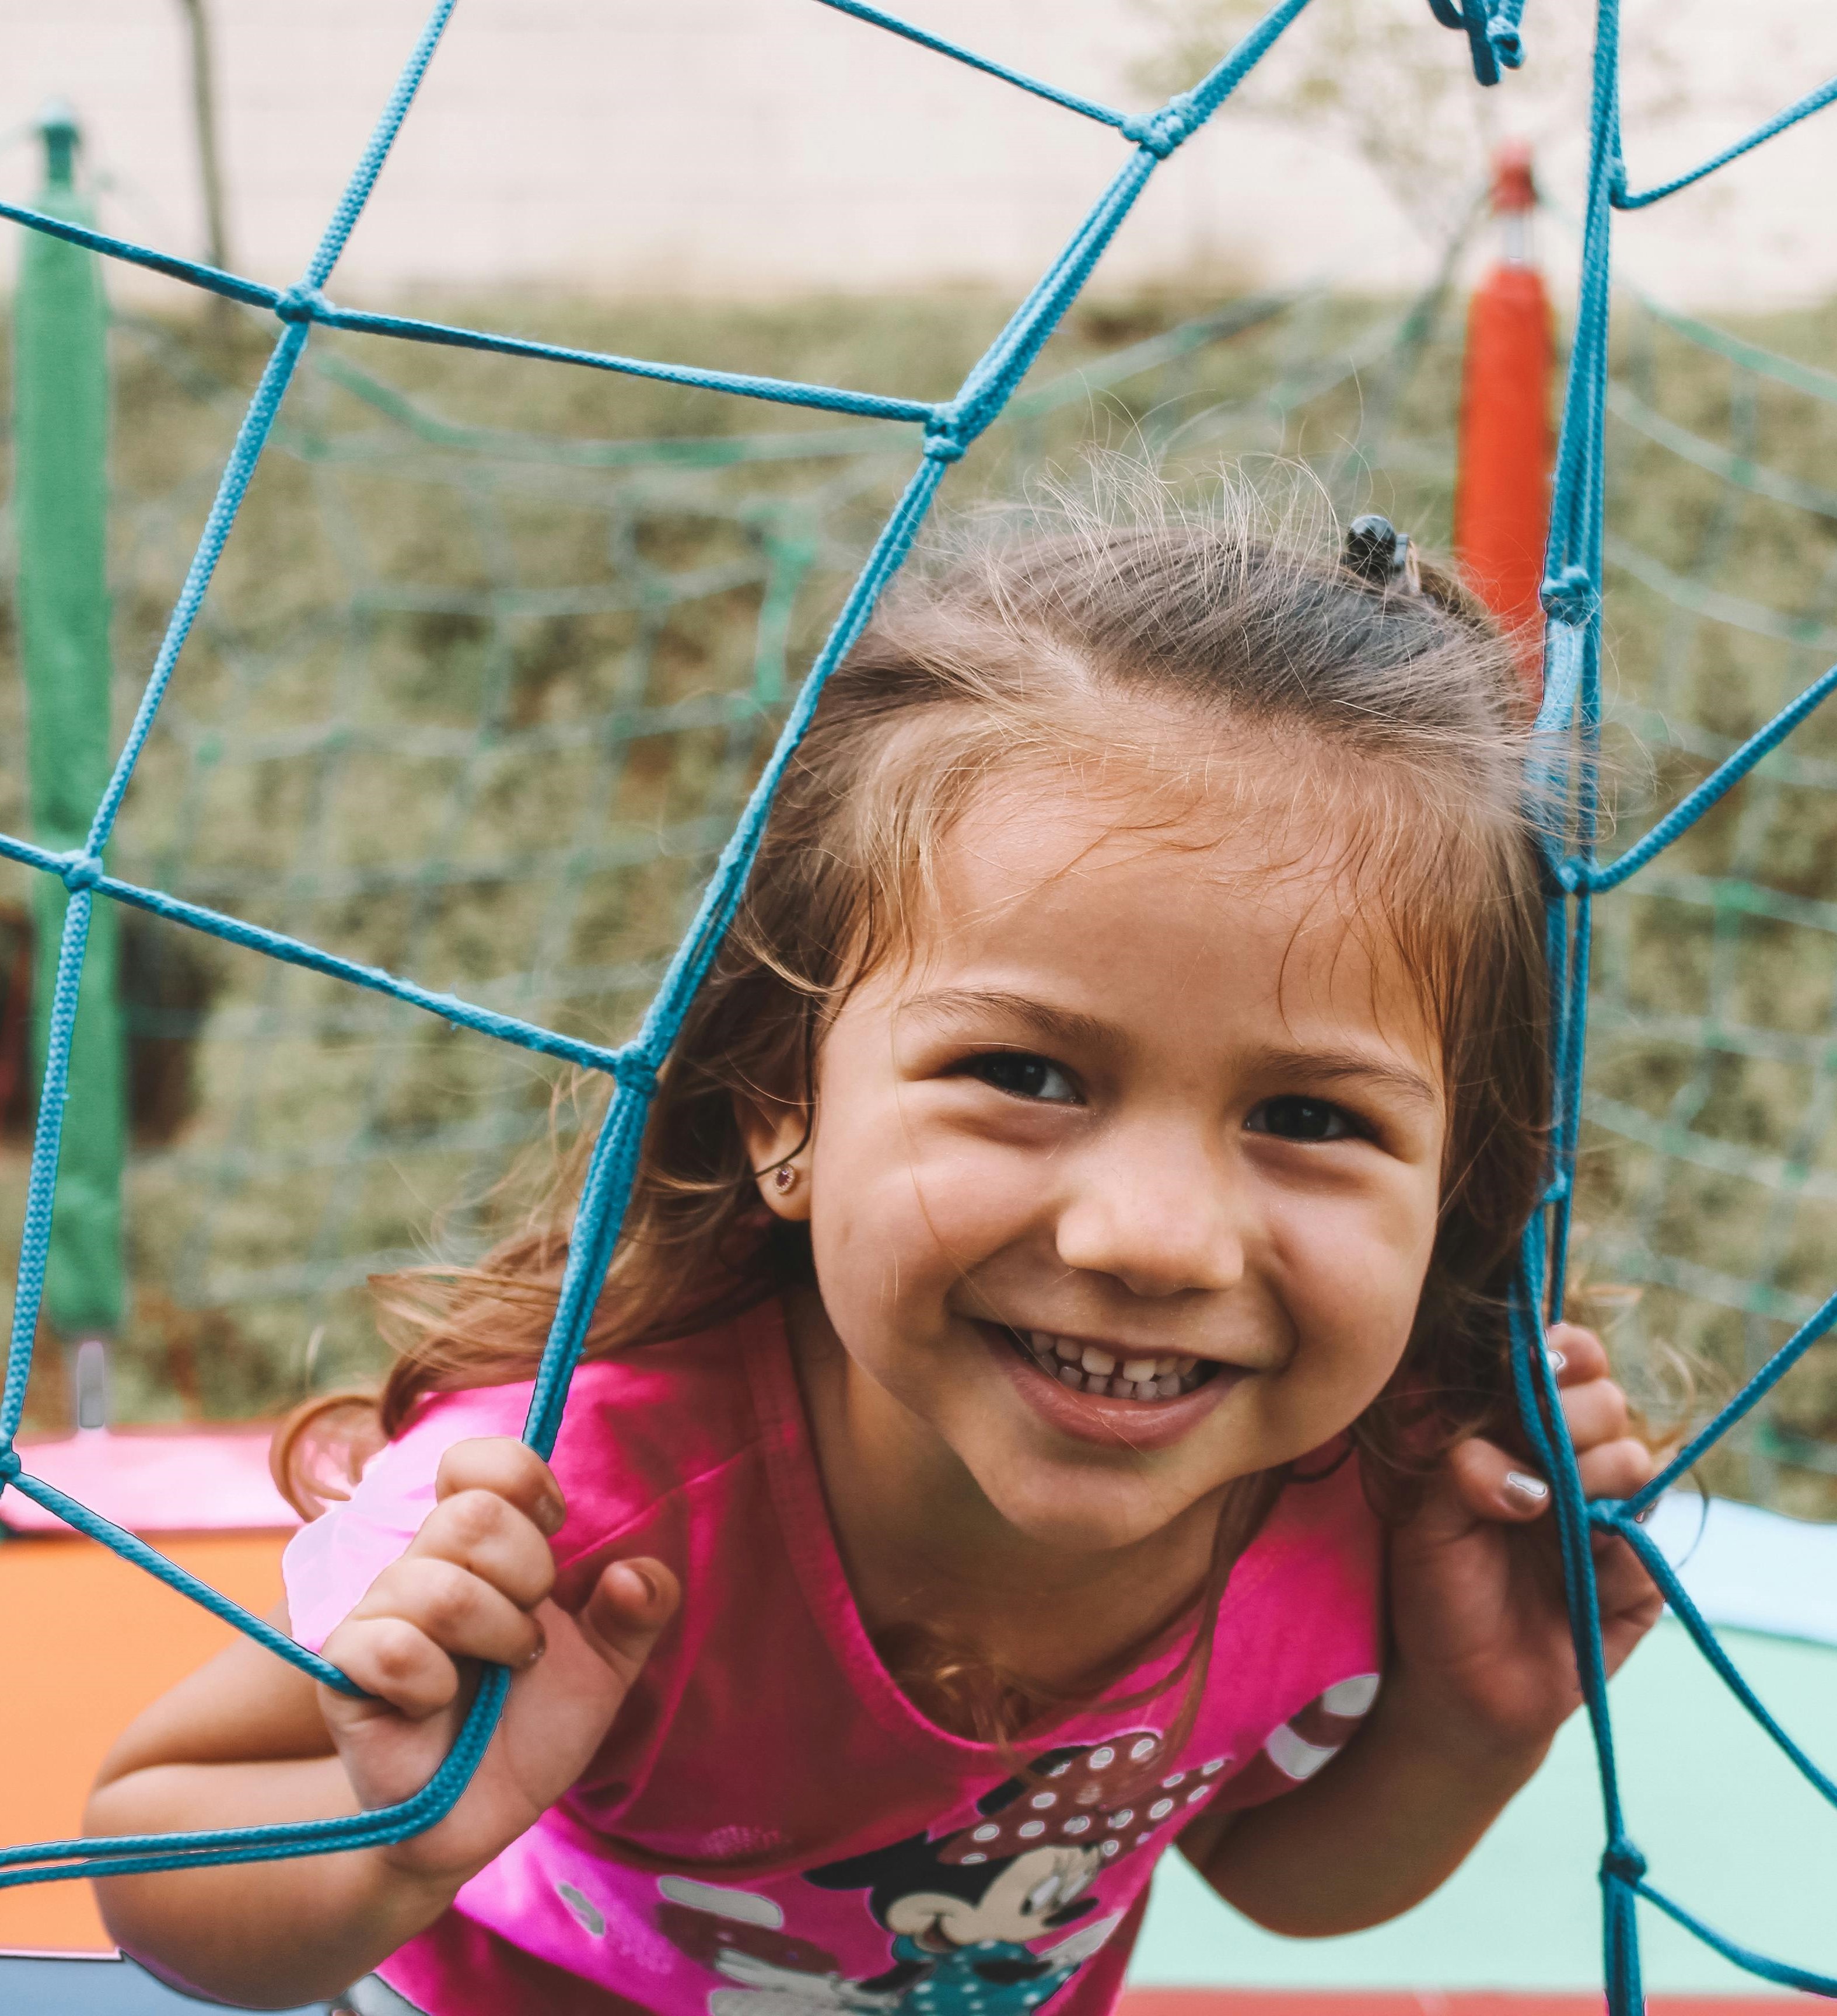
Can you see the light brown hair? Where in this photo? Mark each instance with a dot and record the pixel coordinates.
(1051, 638)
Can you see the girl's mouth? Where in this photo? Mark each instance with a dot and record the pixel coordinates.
(1137, 1405)
(1088, 1368)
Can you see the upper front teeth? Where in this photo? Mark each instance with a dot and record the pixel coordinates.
(1095, 1363)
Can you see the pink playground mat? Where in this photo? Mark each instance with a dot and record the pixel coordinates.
(194, 1480)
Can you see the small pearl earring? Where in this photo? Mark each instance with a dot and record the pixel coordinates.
(784, 1178)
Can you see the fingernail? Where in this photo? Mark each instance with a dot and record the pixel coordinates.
(1557, 1360)
(551, 1513)
(540, 1647)
(1526, 1486)
(647, 1586)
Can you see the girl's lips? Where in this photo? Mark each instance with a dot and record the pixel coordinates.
(1109, 1423)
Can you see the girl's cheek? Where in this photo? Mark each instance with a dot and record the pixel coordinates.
(964, 1199)
(1354, 1279)
(1351, 1304)
(887, 1235)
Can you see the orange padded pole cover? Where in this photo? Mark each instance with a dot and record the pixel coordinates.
(1502, 491)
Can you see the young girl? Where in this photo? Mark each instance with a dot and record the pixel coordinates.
(1052, 1402)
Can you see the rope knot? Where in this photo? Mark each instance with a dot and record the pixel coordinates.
(79, 871)
(1509, 44)
(636, 1073)
(1572, 874)
(1623, 1861)
(941, 443)
(1571, 596)
(11, 1464)
(301, 303)
(1161, 132)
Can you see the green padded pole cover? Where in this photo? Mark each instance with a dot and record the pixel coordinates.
(60, 505)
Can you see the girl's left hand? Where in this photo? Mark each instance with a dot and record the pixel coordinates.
(1480, 1632)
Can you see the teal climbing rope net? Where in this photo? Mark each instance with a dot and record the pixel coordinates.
(771, 550)
(559, 661)
(1706, 1206)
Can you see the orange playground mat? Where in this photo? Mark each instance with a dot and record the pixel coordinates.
(90, 1641)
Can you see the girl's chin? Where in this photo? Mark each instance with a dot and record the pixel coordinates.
(1066, 1524)
(1101, 1421)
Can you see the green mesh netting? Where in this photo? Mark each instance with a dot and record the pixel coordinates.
(1710, 1175)
(476, 696)
(479, 691)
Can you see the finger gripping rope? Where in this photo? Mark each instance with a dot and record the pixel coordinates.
(949, 427)
(1563, 776)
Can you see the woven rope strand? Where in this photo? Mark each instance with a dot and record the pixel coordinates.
(948, 430)
(1572, 707)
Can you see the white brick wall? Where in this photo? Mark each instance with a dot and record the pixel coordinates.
(705, 146)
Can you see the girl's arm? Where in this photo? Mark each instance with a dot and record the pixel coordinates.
(248, 1740)
(241, 1743)
(1482, 1674)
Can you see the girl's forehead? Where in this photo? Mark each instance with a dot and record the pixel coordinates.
(1071, 846)
(1152, 912)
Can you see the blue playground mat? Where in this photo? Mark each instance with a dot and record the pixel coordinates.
(93, 1985)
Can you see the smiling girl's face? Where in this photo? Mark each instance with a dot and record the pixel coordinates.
(1125, 1184)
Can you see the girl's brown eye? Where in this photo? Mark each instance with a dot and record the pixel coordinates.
(1292, 1117)
(1023, 1076)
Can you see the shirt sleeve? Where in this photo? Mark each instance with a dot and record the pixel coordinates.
(1311, 1628)
(329, 1564)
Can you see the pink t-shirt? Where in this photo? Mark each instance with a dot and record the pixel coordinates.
(771, 1828)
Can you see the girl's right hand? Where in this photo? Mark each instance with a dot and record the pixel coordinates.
(474, 1584)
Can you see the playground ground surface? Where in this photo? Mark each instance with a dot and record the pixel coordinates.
(1729, 1829)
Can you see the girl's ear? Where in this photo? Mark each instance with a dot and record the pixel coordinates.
(777, 1139)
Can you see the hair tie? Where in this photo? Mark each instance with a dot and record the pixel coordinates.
(1381, 555)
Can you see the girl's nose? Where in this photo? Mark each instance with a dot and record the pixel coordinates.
(1162, 1217)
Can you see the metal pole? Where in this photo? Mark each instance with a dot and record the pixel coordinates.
(203, 107)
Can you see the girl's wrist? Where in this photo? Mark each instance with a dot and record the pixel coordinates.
(406, 1900)
(1450, 1734)
(411, 1889)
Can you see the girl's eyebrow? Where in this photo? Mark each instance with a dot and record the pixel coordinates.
(1070, 1026)
(1050, 1024)
(1332, 1066)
